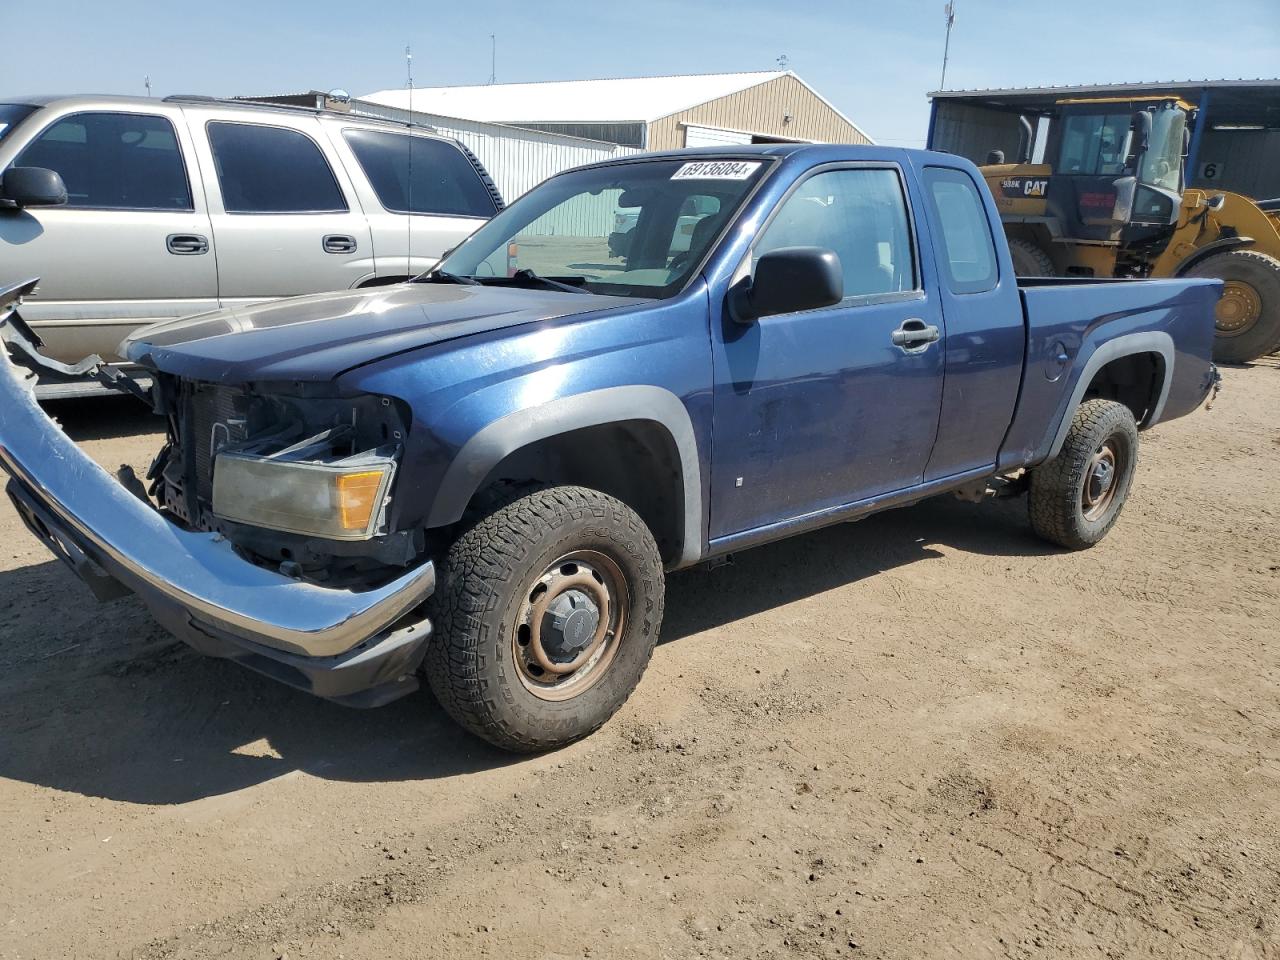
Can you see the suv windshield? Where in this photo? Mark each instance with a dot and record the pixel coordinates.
(11, 114)
(635, 229)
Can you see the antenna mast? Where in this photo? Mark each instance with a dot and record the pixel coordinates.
(493, 58)
(146, 82)
(950, 10)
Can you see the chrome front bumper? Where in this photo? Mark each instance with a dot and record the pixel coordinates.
(195, 583)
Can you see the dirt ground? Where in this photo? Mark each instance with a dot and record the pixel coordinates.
(923, 735)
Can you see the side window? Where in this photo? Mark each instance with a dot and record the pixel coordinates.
(859, 214)
(420, 175)
(114, 161)
(272, 170)
(969, 253)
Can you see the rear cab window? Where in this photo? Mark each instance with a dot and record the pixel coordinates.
(413, 174)
(264, 170)
(113, 161)
(968, 249)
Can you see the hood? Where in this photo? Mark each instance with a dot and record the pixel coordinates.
(320, 336)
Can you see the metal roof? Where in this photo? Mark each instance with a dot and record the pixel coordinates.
(1138, 87)
(614, 100)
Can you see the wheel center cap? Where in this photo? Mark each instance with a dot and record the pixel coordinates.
(569, 624)
(1104, 475)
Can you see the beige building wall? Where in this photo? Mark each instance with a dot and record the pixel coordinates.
(760, 110)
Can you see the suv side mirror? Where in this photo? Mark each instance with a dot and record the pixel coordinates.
(789, 280)
(32, 187)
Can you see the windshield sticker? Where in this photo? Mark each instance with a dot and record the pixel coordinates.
(717, 170)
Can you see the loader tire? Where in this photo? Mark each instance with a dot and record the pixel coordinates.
(1076, 497)
(1247, 318)
(546, 612)
(1029, 260)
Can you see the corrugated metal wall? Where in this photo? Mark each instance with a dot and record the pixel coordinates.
(760, 110)
(973, 132)
(1243, 162)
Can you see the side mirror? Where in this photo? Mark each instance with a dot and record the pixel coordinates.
(1141, 131)
(788, 280)
(32, 187)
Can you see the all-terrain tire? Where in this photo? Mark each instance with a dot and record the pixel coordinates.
(1029, 260)
(1253, 282)
(1061, 505)
(485, 582)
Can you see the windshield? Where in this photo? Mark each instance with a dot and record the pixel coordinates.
(11, 114)
(1095, 144)
(1162, 163)
(632, 229)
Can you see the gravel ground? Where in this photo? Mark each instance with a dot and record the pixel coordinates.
(923, 735)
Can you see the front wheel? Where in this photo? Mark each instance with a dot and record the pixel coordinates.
(1029, 260)
(1076, 497)
(546, 613)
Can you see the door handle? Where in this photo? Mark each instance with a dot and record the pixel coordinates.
(338, 243)
(186, 244)
(915, 335)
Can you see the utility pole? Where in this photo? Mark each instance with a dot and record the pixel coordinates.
(950, 11)
(493, 58)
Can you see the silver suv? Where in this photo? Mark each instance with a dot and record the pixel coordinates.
(163, 208)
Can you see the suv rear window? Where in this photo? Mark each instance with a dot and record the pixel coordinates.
(272, 170)
(420, 175)
(113, 161)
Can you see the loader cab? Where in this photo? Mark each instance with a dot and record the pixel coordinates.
(1117, 167)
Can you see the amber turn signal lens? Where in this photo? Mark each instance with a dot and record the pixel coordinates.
(358, 497)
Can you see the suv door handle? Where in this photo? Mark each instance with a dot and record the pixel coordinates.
(186, 244)
(338, 243)
(915, 335)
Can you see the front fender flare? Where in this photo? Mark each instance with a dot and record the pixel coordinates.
(494, 442)
(1153, 341)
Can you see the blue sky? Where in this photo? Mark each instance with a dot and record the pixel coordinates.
(873, 60)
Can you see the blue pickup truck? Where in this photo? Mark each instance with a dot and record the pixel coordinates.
(481, 477)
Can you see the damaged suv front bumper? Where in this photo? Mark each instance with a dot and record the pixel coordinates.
(359, 647)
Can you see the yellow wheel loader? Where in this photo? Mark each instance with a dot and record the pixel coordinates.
(1112, 202)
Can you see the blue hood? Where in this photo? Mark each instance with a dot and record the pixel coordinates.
(318, 337)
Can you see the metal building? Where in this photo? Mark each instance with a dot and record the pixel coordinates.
(1235, 139)
(650, 113)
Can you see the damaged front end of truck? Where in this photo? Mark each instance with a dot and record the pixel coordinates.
(263, 529)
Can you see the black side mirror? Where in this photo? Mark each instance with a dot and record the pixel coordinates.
(788, 280)
(32, 187)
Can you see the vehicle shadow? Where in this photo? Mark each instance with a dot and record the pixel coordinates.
(106, 417)
(100, 701)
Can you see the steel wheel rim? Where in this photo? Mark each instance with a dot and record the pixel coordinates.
(1102, 480)
(1238, 310)
(548, 659)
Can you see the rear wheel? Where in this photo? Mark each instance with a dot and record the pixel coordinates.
(1029, 260)
(1247, 317)
(547, 610)
(1077, 496)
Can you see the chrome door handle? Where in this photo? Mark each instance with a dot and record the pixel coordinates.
(186, 244)
(915, 335)
(338, 243)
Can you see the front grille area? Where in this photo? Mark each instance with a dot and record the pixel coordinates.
(216, 416)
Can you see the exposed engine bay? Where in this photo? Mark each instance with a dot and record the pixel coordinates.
(297, 480)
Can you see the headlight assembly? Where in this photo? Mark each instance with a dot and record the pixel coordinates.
(295, 491)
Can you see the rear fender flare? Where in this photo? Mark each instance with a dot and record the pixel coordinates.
(1153, 341)
(504, 436)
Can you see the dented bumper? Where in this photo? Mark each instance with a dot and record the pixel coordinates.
(358, 646)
